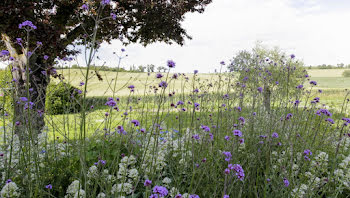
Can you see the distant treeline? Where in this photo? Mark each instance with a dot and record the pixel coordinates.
(324, 66)
(133, 68)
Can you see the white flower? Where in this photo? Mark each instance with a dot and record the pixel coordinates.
(133, 173)
(124, 160)
(10, 190)
(167, 180)
(173, 192)
(124, 187)
(101, 195)
(80, 194)
(132, 160)
(122, 172)
(93, 172)
(73, 187)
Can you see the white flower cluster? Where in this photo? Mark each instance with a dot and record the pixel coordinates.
(10, 190)
(343, 173)
(300, 192)
(127, 176)
(74, 190)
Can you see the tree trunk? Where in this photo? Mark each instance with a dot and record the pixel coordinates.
(31, 84)
(29, 114)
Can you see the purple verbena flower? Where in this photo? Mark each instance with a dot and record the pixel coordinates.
(237, 132)
(171, 64)
(286, 182)
(147, 182)
(27, 23)
(135, 122)
(160, 190)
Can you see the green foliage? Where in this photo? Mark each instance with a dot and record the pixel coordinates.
(346, 73)
(268, 68)
(62, 98)
(5, 88)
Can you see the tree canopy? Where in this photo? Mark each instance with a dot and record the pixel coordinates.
(61, 23)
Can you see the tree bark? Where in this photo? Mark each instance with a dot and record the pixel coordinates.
(30, 83)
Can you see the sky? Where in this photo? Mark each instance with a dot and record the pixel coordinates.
(316, 31)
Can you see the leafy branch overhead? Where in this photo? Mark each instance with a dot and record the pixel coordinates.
(62, 23)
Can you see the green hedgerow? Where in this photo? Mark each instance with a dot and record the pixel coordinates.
(346, 73)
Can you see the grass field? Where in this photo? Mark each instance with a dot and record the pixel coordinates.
(326, 79)
(124, 79)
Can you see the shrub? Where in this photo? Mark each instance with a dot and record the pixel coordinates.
(5, 95)
(62, 98)
(346, 73)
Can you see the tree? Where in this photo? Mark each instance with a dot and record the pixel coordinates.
(265, 69)
(62, 23)
(141, 68)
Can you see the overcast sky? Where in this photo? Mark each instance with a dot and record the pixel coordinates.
(316, 31)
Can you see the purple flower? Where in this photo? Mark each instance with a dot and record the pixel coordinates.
(222, 63)
(289, 116)
(171, 64)
(227, 138)
(324, 112)
(4, 53)
(111, 102)
(85, 6)
(8, 181)
(27, 23)
(195, 136)
(159, 75)
(307, 152)
(237, 133)
(260, 89)
(19, 41)
(46, 57)
(330, 120)
(163, 84)
(300, 86)
(162, 191)
(205, 128)
(239, 171)
(178, 196)
(18, 123)
(147, 182)
(228, 155)
(48, 186)
(81, 83)
(23, 99)
(226, 196)
(275, 135)
(313, 83)
(292, 56)
(135, 122)
(105, 2)
(131, 86)
(195, 72)
(286, 182)
(194, 196)
(241, 119)
(241, 141)
(211, 136)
